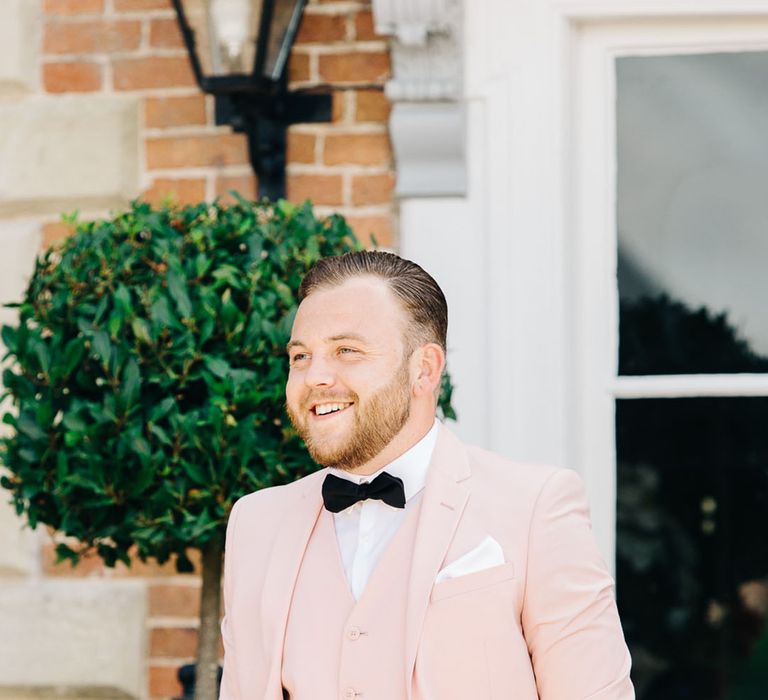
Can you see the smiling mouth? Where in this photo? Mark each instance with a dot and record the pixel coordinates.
(330, 408)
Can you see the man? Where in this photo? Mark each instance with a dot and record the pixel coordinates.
(412, 566)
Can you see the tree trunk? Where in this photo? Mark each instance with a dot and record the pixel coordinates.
(210, 611)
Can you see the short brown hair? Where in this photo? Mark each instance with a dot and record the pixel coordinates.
(416, 289)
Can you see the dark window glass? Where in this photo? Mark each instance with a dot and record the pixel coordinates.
(692, 213)
(692, 546)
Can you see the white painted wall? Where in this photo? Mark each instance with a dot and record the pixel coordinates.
(450, 245)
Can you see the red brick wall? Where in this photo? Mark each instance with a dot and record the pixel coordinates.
(133, 47)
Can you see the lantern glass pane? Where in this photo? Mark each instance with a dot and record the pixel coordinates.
(225, 34)
(286, 15)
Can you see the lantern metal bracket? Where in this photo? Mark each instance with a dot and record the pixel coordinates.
(260, 107)
(265, 119)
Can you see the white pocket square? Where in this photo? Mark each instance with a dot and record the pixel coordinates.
(485, 556)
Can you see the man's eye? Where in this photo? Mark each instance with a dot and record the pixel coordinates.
(346, 351)
(298, 357)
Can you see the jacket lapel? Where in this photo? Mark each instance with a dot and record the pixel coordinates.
(444, 500)
(284, 563)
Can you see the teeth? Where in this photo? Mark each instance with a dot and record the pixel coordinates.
(324, 408)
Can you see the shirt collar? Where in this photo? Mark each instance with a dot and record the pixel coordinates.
(411, 466)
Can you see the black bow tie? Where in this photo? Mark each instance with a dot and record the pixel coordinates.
(339, 494)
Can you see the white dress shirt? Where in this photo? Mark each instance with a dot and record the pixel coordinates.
(364, 530)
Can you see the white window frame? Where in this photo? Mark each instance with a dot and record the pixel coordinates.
(596, 303)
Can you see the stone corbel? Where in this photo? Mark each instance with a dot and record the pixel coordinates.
(427, 126)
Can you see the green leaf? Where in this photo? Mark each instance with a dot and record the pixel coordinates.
(100, 310)
(202, 264)
(72, 438)
(29, 456)
(255, 246)
(107, 553)
(177, 288)
(43, 356)
(207, 329)
(141, 482)
(162, 314)
(162, 409)
(160, 434)
(114, 324)
(184, 564)
(61, 466)
(10, 335)
(102, 345)
(253, 329)
(141, 447)
(231, 316)
(242, 376)
(123, 299)
(82, 481)
(217, 366)
(72, 421)
(228, 274)
(131, 383)
(196, 472)
(284, 292)
(141, 330)
(27, 425)
(65, 553)
(73, 354)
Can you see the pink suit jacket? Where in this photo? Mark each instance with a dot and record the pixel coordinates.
(542, 625)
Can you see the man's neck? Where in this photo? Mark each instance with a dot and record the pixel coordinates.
(409, 435)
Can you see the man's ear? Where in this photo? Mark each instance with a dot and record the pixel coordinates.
(429, 363)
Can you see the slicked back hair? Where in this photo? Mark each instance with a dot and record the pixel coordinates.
(415, 289)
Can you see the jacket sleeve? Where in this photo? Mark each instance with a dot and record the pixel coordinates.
(569, 614)
(229, 685)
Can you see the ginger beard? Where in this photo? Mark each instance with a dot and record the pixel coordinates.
(376, 423)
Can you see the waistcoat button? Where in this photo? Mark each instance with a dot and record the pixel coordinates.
(350, 693)
(354, 633)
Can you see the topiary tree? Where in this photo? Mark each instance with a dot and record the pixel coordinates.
(147, 378)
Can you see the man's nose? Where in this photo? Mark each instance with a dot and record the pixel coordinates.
(319, 372)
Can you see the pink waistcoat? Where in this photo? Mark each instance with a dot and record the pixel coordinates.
(342, 644)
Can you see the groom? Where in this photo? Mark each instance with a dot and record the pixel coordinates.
(413, 566)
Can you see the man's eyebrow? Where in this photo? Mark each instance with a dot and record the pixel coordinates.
(292, 344)
(347, 336)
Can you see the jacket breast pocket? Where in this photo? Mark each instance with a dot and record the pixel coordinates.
(470, 583)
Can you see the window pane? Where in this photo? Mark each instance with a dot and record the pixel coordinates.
(692, 546)
(692, 212)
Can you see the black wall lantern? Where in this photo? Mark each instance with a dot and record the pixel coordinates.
(244, 48)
